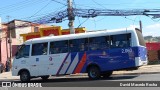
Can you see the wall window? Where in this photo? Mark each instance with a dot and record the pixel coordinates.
(39, 49)
(59, 47)
(120, 41)
(23, 52)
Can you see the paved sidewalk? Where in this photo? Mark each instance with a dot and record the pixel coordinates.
(7, 76)
(148, 69)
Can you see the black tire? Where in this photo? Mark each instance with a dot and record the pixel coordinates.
(94, 72)
(44, 77)
(107, 74)
(24, 76)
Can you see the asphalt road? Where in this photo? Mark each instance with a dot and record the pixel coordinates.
(79, 81)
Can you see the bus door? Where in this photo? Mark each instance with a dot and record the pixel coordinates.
(59, 58)
(38, 58)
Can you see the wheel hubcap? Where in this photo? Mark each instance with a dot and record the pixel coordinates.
(24, 76)
(93, 73)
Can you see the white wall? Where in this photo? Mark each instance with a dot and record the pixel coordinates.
(22, 30)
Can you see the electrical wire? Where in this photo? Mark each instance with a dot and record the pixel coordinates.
(14, 4)
(76, 7)
(82, 22)
(40, 9)
(98, 4)
(59, 2)
(21, 6)
(42, 15)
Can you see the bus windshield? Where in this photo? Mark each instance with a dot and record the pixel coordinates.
(140, 38)
(23, 51)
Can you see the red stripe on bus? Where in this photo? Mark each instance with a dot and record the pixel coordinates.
(81, 64)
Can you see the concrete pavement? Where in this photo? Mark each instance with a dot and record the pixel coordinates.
(148, 69)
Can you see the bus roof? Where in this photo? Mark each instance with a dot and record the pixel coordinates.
(80, 35)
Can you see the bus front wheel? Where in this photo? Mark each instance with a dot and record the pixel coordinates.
(24, 76)
(94, 72)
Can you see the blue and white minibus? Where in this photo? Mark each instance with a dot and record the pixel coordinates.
(97, 53)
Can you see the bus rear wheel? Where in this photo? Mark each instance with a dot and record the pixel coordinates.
(94, 72)
(24, 76)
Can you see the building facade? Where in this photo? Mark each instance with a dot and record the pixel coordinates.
(13, 29)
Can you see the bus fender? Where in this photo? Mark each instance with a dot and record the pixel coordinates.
(23, 70)
(91, 65)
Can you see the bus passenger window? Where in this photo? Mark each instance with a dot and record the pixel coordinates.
(83, 44)
(99, 43)
(120, 41)
(64, 49)
(39, 49)
(93, 45)
(73, 47)
(58, 47)
(104, 43)
(53, 49)
(82, 47)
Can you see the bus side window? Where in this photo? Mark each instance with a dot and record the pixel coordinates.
(120, 41)
(64, 48)
(58, 47)
(39, 49)
(73, 45)
(23, 52)
(98, 43)
(104, 44)
(92, 44)
(83, 44)
(129, 40)
(112, 41)
(53, 49)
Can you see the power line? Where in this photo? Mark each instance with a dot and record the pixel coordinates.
(21, 6)
(82, 22)
(98, 4)
(59, 2)
(33, 18)
(41, 9)
(122, 16)
(15, 4)
(76, 7)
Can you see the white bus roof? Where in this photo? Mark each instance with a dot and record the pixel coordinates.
(80, 35)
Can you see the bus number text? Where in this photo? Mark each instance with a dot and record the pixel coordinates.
(127, 50)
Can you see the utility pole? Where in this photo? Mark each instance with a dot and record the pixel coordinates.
(71, 17)
(10, 46)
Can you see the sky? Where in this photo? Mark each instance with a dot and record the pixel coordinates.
(32, 9)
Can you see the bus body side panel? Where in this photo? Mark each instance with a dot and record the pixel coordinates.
(113, 59)
(120, 58)
(140, 56)
(107, 60)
